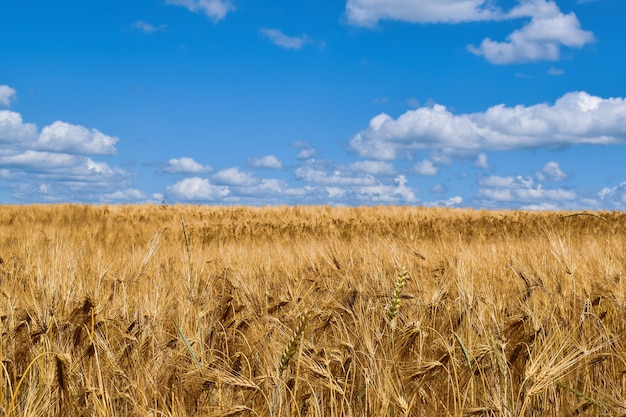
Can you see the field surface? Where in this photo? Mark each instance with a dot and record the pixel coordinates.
(310, 311)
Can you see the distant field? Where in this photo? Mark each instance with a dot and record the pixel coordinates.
(310, 311)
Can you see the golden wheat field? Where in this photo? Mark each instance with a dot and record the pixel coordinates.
(310, 311)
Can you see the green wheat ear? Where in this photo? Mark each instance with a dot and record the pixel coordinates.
(290, 349)
(294, 341)
(394, 303)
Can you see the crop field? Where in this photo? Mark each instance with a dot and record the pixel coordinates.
(310, 311)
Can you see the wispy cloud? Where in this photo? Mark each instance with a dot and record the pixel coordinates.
(555, 71)
(368, 12)
(288, 42)
(216, 10)
(147, 27)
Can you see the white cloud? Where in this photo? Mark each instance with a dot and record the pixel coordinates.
(268, 161)
(438, 189)
(14, 131)
(186, 165)
(50, 176)
(197, 189)
(7, 94)
(61, 167)
(372, 167)
(575, 118)
(216, 10)
(288, 42)
(233, 176)
(521, 192)
(335, 192)
(147, 27)
(129, 195)
(369, 12)
(481, 161)
(382, 193)
(539, 40)
(555, 71)
(614, 197)
(65, 137)
(551, 172)
(426, 168)
(450, 202)
(56, 164)
(320, 173)
(306, 150)
(269, 190)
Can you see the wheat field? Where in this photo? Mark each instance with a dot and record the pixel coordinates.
(310, 311)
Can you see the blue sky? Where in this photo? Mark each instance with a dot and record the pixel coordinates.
(463, 103)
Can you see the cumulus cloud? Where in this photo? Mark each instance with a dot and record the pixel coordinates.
(372, 167)
(481, 161)
(551, 172)
(268, 161)
(521, 192)
(56, 163)
(58, 137)
(576, 118)
(61, 167)
(216, 10)
(7, 94)
(288, 42)
(185, 165)
(365, 182)
(613, 197)
(197, 189)
(450, 202)
(65, 137)
(129, 195)
(369, 12)
(269, 191)
(306, 150)
(539, 40)
(50, 176)
(384, 193)
(234, 176)
(426, 168)
(325, 173)
(14, 131)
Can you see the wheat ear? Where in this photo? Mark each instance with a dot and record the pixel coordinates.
(394, 303)
(294, 342)
(290, 349)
